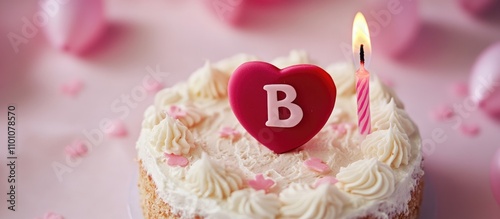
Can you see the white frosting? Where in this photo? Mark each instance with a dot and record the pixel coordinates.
(368, 178)
(207, 186)
(254, 204)
(344, 77)
(295, 57)
(193, 116)
(391, 146)
(304, 202)
(172, 137)
(208, 82)
(230, 64)
(379, 92)
(207, 179)
(389, 113)
(152, 117)
(170, 95)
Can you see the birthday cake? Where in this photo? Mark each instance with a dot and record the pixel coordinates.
(196, 160)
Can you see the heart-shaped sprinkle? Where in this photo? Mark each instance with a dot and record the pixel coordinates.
(281, 108)
(176, 160)
(176, 112)
(317, 165)
(260, 183)
(325, 180)
(228, 132)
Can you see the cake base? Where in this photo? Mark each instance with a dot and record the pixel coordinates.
(154, 207)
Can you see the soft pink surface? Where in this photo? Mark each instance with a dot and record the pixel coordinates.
(178, 36)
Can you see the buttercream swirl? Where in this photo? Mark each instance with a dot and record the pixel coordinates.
(380, 92)
(169, 96)
(208, 82)
(255, 204)
(151, 117)
(390, 146)
(343, 74)
(295, 57)
(193, 115)
(389, 113)
(304, 202)
(368, 178)
(172, 137)
(207, 179)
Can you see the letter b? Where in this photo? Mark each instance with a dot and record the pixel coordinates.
(273, 104)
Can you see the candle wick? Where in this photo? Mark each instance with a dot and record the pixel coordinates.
(361, 55)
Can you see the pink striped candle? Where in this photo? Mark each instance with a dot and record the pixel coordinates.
(363, 98)
(361, 44)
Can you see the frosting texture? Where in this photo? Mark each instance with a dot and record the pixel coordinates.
(208, 82)
(391, 146)
(172, 137)
(368, 178)
(389, 113)
(380, 92)
(208, 179)
(255, 204)
(205, 164)
(343, 81)
(304, 202)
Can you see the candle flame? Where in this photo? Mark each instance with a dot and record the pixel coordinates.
(361, 36)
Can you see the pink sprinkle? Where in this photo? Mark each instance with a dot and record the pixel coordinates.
(153, 87)
(228, 132)
(443, 113)
(327, 179)
(51, 215)
(176, 160)
(260, 183)
(317, 165)
(117, 129)
(72, 88)
(176, 112)
(76, 149)
(470, 129)
(341, 128)
(459, 89)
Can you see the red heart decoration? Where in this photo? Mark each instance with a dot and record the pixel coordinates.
(315, 95)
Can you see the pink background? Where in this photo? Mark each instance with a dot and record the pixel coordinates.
(179, 36)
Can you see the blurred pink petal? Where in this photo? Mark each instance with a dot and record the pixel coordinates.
(117, 129)
(484, 84)
(75, 25)
(443, 113)
(76, 149)
(470, 129)
(459, 89)
(72, 88)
